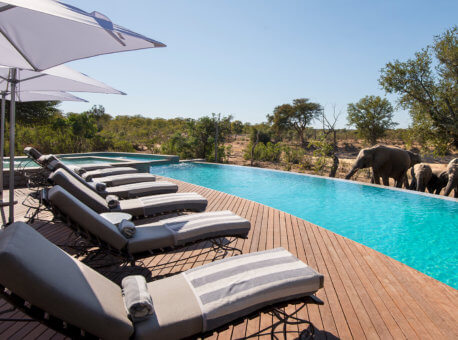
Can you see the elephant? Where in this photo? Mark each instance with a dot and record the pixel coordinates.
(438, 181)
(386, 162)
(421, 175)
(452, 171)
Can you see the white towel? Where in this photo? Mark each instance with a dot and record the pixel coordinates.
(127, 228)
(137, 299)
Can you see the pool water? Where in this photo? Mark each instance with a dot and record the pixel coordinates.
(86, 160)
(417, 230)
(132, 156)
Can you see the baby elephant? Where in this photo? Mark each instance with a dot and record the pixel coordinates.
(438, 181)
(421, 175)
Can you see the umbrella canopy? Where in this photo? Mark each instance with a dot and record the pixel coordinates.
(45, 96)
(59, 78)
(40, 34)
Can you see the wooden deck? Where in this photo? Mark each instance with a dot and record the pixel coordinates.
(366, 294)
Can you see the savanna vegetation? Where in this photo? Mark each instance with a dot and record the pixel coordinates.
(425, 85)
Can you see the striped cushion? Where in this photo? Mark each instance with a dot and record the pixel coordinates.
(236, 286)
(218, 223)
(88, 175)
(115, 180)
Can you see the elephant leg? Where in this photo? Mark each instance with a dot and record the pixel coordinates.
(375, 177)
(399, 181)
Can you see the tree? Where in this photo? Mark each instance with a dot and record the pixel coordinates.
(237, 127)
(33, 113)
(202, 134)
(371, 116)
(327, 143)
(297, 116)
(430, 93)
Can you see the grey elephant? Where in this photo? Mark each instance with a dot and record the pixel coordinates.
(386, 162)
(438, 181)
(452, 171)
(421, 175)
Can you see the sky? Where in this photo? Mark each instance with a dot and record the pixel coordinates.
(245, 57)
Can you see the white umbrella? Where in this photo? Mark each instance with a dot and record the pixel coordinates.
(46, 96)
(58, 78)
(40, 34)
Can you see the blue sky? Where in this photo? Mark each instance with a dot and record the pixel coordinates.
(244, 57)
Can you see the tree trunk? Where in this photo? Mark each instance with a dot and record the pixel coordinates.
(253, 147)
(335, 159)
(335, 165)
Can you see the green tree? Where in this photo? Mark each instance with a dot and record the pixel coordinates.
(33, 113)
(297, 116)
(202, 133)
(371, 116)
(427, 86)
(237, 127)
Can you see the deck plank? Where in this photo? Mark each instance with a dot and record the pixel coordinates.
(366, 294)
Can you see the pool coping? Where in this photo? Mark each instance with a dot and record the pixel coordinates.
(447, 198)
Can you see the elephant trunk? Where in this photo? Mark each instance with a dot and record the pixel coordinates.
(421, 185)
(352, 172)
(452, 184)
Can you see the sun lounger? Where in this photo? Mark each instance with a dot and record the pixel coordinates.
(138, 207)
(147, 237)
(68, 296)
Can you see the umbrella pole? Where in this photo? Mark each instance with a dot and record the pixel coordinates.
(2, 143)
(12, 137)
(2, 149)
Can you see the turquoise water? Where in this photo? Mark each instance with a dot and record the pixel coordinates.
(20, 164)
(132, 157)
(86, 160)
(417, 230)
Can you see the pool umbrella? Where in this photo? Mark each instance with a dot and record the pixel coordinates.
(40, 34)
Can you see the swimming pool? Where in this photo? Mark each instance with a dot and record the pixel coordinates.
(418, 230)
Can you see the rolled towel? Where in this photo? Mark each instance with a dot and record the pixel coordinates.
(49, 161)
(100, 187)
(79, 170)
(127, 228)
(137, 299)
(112, 201)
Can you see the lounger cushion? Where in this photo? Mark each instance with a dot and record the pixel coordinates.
(44, 275)
(116, 180)
(142, 189)
(176, 311)
(89, 175)
(209, 296)
(177, 231)
(152, 205)
(88, 218)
